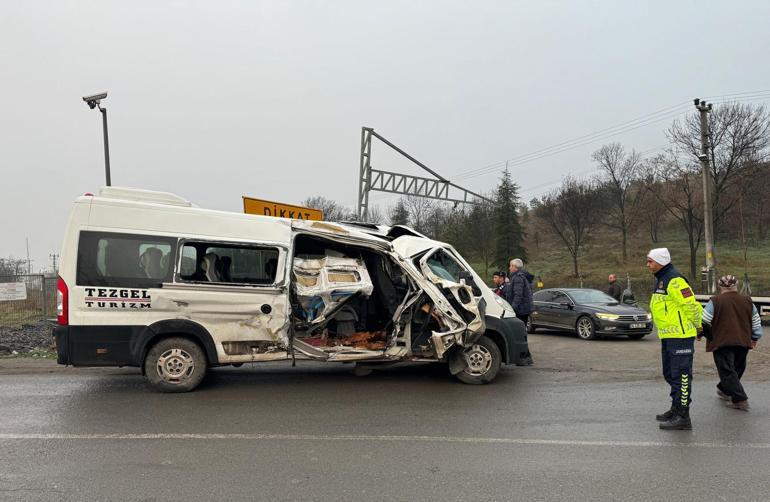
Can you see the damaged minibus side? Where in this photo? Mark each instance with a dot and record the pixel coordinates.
(149, 280)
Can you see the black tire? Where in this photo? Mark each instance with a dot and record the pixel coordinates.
(637, 336)
(531, 328)
(483, 360)
(585, 328)
(175, 365)
(237, 365)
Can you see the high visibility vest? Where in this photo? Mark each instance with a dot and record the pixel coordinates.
(675, 311)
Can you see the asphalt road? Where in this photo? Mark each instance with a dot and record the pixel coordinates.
(318, 433)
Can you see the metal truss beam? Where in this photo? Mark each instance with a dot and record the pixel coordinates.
(370, 179)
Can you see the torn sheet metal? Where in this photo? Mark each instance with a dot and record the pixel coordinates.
(324, 283)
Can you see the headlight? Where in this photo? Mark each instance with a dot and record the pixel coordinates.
(608, 317)
(503, 303)
(649, 316)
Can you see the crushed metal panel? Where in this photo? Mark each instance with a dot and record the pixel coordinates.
(230, 314)
(321, 284)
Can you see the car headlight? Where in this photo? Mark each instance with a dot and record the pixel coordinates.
(649, 316)
(608, 317)
(503, 303)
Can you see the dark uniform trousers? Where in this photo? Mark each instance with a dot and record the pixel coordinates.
(677, 355)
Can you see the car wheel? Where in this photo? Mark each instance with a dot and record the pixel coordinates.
(175, 365)
(585, 328)
(637, 336)
(530, 327)
(483, 361)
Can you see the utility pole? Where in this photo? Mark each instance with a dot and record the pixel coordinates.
(29, 262)
(708, 219)
(53, 258)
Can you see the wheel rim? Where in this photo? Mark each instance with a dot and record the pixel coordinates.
(479, 360)
(175, 366)
(585, 328)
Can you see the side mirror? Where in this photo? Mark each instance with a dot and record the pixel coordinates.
(468, 278)
(566, 304)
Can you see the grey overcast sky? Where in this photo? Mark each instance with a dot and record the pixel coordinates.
(213, 100)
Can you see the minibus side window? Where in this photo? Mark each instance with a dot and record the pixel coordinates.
(124, 260)
(228, 263)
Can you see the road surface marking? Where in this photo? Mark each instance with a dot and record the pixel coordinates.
(427, 439)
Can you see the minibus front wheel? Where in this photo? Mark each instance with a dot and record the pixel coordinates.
(175, 365)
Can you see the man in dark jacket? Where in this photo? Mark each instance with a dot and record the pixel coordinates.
(735, 328)
(613, 289)
(519, 292)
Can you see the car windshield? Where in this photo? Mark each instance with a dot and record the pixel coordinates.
(591, 296)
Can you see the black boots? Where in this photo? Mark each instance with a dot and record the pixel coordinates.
(665, 417)
(680, 421)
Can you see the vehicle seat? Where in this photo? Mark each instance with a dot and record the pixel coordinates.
(121, 261)
(150, 261)
(225, 262)
(271, 267)
(209, 266)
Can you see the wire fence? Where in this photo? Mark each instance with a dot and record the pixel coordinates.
(26, 299)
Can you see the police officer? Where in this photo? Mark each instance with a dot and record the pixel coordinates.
(677, 316)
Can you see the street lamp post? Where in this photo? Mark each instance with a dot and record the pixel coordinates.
(95, 102)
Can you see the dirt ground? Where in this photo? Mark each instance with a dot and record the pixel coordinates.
(564, 356)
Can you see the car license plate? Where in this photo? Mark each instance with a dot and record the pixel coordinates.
(637, 325)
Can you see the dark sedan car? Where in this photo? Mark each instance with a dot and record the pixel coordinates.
(589, 313)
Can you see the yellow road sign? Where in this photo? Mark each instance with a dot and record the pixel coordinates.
(280, 210)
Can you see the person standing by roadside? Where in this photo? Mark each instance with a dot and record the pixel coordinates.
(677, 316)
(519, 291)
(498, 278)
(614, 289)
(735, 328)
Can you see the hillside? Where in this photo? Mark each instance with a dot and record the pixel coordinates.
(550, 261)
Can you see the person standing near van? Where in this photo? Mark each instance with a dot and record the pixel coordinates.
(498, 278)
(519, 291)
(677, 316)
(613, 288)
(735, 328)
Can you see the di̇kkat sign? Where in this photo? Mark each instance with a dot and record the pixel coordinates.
(280, 210)
(12, 291)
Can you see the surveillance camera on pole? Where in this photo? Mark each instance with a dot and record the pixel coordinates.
(94, 101)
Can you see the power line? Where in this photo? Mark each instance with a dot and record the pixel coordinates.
(642, 121)
(577, 145)
(602, 132)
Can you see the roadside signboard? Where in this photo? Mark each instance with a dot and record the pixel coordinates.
(280, 210)
(13, 291)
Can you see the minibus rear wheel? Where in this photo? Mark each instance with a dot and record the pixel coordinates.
(175, 365)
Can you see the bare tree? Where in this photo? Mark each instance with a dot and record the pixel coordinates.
(569, 211)
(420, 210)
(331, 209)
(375, 215)
(11, 266)
(620, 187)
(677, 187)
(739, 136)
(653, 211)
(480, 233)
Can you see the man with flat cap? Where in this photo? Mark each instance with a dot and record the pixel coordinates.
(677, 316)
(735, 328)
